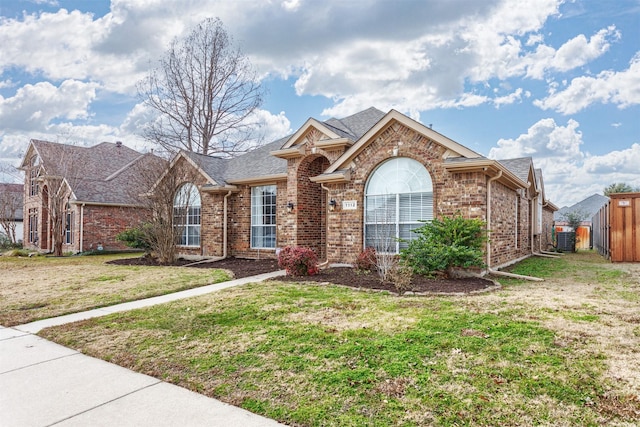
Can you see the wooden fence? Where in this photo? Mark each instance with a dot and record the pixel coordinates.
(616, 228)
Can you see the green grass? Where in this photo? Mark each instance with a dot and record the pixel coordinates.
(324, 355)
(558, 352)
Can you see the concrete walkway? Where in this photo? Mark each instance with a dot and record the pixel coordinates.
(45, 384)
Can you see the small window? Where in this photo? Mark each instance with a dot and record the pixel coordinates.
(33, 226)
(186, 215)
(34, 174)
(263, 216)
(68, 226)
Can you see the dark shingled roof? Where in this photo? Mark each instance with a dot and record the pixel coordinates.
(356, 125)
(259, 162)
(589, 207)
(519, 167)
(106, 173)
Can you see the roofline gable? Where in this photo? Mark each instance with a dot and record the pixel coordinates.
(174, 161)
(453, 148)
(198, 168)
(310, 123)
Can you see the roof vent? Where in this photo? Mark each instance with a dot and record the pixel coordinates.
(118, 144)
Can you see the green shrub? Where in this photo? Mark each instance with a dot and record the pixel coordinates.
(19, 253)
(6, 243)
(445, 244)
(137, 238)
(298, 261)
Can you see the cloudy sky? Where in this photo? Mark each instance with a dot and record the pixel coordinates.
(555, 80)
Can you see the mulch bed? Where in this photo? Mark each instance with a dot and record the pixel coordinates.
(345, 276)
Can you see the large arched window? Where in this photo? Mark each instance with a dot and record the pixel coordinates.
(398, 195)
(186, 215)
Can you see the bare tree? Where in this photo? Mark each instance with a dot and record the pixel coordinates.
(169, 202)
(10, 206)
(204, 92)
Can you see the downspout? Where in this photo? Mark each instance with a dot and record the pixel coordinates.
(547, 253)
(534, 224)
(489, 269)
(325, 263)
(81, 226)
(224, 226)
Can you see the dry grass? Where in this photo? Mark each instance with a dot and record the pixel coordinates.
(42, 287)
(593, 302)
(562, 352)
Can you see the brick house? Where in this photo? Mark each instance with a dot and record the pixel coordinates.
(102, 189)
(341, 185)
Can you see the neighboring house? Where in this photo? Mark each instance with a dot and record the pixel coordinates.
(101, 196)
(11, 217)
(585, 209)
(341, 185)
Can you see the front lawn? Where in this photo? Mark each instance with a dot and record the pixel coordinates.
(561, 352)
(42, 287)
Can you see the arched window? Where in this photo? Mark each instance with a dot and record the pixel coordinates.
(398, 195)
(186, 215)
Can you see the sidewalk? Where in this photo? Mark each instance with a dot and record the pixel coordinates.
(45, 384)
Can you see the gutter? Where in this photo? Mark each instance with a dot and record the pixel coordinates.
(81, 226)
(325, 263)
(489, 269)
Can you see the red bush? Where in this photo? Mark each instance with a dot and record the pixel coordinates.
(298, 261)
(367, 260)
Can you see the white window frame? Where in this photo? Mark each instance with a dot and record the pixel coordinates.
(264, 216)
(68, 229)
(388, 189)
(187, 214)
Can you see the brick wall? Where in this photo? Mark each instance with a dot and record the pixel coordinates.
(103, 223)
(239, 227)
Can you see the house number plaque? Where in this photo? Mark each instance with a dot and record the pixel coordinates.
(349, 205)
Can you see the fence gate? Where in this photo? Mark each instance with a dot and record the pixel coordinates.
(625, 227)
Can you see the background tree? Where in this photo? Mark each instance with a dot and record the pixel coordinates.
(204, 91)
(574, 220)
(620, 187)
(10, 205)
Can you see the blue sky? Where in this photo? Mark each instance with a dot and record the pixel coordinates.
(555, 80)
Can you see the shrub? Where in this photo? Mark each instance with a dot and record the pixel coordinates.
(367, 260)
(401, 275)
(17, 253)
(6, 243)
(446, 244)
(298, 261)
(137, 238)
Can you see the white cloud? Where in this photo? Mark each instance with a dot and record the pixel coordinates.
(34, 106)
(570, 175)
(508, 99)
(615, 162)
(619, 88)
(545, 139)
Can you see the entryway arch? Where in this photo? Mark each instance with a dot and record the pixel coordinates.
(311, 209)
